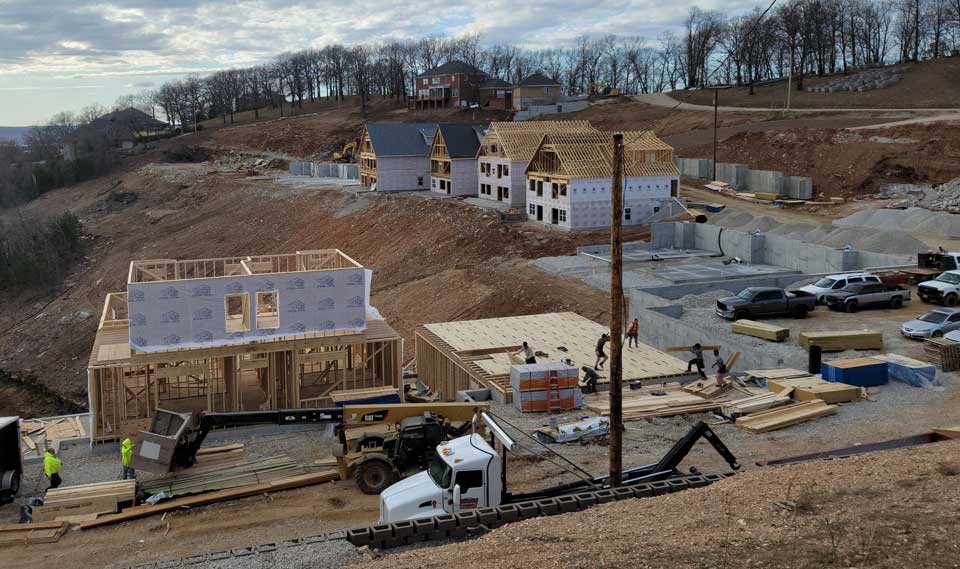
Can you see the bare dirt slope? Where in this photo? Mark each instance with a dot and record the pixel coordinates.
(892, 509)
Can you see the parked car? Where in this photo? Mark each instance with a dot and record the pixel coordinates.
(856, 296)
(837, 282)
(754, 302)
(944, 289)
(933, 324)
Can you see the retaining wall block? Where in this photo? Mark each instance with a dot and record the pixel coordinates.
(527, 510)
(488, 516)
(403, 529)
(711, 478)
(660, 488)
(677, 484)
(467, 519)
(624, 493)
(696, 481)
(445, 522)
(643, 490)
(508, 513)
(549, 506)
(586, 500)
(381, 532)
(604, 496)
(567, 504)
(425, 528)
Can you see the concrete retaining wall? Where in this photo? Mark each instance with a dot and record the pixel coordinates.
(798, 187)
(325, 170)
(733, 174)
(559, 108)
(744, 179)
(768, 181)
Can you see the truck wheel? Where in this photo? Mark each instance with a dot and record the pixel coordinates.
(950, 300)
(852, 307)
(896, 302)
(739, 315)
(800, 312)
(373, 476)
(937, 334)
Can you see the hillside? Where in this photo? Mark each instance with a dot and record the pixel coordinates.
(929, 84)
(14, 133)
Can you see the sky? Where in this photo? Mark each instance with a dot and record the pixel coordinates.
(63, 55)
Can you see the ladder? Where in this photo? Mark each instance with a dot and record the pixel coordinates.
(553, 383)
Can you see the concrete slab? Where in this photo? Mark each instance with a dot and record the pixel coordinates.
(692, 273)
(488, 204)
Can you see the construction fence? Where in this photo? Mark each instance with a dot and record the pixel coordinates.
(325, 170)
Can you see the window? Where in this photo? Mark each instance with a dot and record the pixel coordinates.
(433, 183)
(855, 280)
(468, 479)
(656, 209)
(532, 209)
(554, 190)
(563, 215)
(506, 193)
(499, 170)
(546, 89)
(563, 189)
(436, 80)
(955, 318)
(419, 180)
(237, 312)
(626, 213)
(493, 148)
(539, 188)
(506, 170)
(456, 92)
(268, 315)
(533, 185)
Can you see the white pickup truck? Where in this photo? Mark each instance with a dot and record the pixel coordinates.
(945, 289)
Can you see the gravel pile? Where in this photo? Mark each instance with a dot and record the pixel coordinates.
(945, 197)
(914, 220)
(320, 555)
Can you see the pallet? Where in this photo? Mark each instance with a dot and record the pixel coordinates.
(782, 417)
(811, 387)
(843, 340)
(943, 353)
(760, 330)
(213, 497)
(72, 502)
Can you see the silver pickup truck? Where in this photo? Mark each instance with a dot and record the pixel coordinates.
(853, 297)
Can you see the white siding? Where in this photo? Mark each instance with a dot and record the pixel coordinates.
(463, 178)
(587, 203)
(398, 173)
(516, 181)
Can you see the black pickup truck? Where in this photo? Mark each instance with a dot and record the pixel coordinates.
(853, 297)
(756, 302)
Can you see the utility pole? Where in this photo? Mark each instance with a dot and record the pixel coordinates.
(790, 79)
(716, 103)
(616, 314)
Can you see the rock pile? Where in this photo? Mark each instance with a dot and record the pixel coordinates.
(866, 80)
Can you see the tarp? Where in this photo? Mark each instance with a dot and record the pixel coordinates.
(910, 371)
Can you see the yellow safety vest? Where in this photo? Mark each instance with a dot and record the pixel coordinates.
(51, 464)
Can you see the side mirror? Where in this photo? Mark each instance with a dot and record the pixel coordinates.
(456, 497)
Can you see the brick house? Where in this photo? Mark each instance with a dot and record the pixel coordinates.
(453, 84)
(496, 94)
(536, 89)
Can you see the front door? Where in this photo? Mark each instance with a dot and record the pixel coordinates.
(539, 213)
(554, 216)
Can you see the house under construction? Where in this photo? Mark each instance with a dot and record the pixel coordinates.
(236, 334)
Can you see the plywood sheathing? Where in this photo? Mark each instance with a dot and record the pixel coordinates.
(476, 353)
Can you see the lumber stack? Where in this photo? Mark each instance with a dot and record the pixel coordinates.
(754, 404)
(707, 388)
(943, 353)
(781, 417)
(761, 330)
(675, 402)
(213, 497)
(385, 394)
(221, 455)
(76, 503)
(778, 373)
(27, 534)
(843, 340)
(861, 372)
(222, 476)
(811, 387)
(35, 434)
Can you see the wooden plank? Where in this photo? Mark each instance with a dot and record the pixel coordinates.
(840, 340)
(952, 432)
(32, 526)
(213, 497)
(760, 330)
(47, 512)
(810, 388)
(784, 416)
(780, 373)
(687, 348)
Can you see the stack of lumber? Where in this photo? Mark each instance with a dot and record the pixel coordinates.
(37, 433)
(811, 387)
(213, 497)
(778, 373)
(78, 503)
(202, 478)
(707, 388)
(861, 372)
(26, 534)
(637, 407)
(385, 394)
(761, 330)
(754, 404)
(944, 353)
(221, 455)
(843, 340)
(781, 417)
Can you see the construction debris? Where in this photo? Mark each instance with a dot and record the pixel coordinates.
(78, 503)
(843, 340)
(761, 330)
(781, 417)
(37, 434)
(27, 534)
(589, 428)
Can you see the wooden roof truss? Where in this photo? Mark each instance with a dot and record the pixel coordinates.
(590, 155)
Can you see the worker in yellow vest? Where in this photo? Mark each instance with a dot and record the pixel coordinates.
(51, 468)
(126, 453)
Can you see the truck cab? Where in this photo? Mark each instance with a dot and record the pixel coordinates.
(944, 289)
(465, 475)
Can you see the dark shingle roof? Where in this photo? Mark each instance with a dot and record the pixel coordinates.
(401, 139)
(125, 123)
(537, 80)
(462, 139)
(494, 83)
(452, 68)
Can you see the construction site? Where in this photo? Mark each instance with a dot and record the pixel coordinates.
(416, 337)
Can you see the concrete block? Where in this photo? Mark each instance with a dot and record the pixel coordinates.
(765, 181)
(549, 507)
(586, 500)
(380, 533)
(696, 481)
(625, 493)
(604, 496)
(404, 528)
(488, 516)
(567, 503)
(508, 513)
(467, 519)
(527, 510)
(643, 490)
(321, 537)
(660, 488)
(677, 484)
(711, 478)
(425, 528)
(798, 187)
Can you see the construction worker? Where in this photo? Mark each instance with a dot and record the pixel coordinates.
(633, 333)
(590, 377)
(721, 367)
(51, 468)
(527, 353)
(697, 360)
(126, 453)
(601, 355)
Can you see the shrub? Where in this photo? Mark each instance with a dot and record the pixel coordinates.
(36, 255)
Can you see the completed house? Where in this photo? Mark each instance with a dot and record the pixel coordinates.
(121, 131)
(453, 84)
(453, 158)
(505, 151)
(569, 179)
(395, 157)
(537, 89)
(496, 94)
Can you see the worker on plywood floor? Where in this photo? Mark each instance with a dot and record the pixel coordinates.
(697, 360)
(721, 368)
(590, 377)
(633, 333)
(527, 353)
(601, 355)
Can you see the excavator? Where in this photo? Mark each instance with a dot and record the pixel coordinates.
(601, 91)
(346, 154)
(375, 460)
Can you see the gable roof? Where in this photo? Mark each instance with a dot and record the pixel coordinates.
(125, 123)
(401, 139)
(520, 139)
(452, 68)
(462, 139)
(537, 80)
(590, 154)
(494, 83)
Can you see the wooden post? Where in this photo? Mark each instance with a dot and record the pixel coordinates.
(716, 103)
(616, 313)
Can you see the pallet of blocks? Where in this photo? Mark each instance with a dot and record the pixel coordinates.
(28, 534)
(644, 404)
(754, 404)
(861, 372)
(79, 503)
(944, 353)
(841, 340)
(811, 387)
(781, 417)
(760, 330)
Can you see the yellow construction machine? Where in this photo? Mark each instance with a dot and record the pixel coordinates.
(346, 154)
(601, 91)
